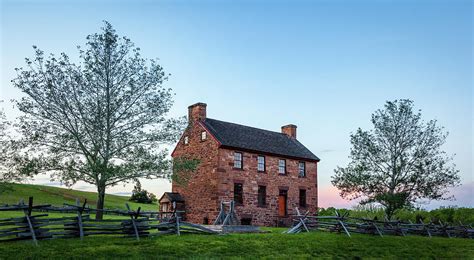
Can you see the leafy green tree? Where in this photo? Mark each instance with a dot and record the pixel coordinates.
(103, 120)
(142, 196)
(4, 151)
(12, 166)
(7, 156)
(398, 162)
(3, 139)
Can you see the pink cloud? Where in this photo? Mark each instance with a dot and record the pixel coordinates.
(329, 197)
(464, 197)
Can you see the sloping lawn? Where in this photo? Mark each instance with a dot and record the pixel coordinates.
(272, 245)
(58, 196)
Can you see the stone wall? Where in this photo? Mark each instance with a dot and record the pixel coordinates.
(251, 179)
(200, 193)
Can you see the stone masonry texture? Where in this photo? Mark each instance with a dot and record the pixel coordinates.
(213, 181)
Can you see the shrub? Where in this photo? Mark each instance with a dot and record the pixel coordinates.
(452, 215)
(142, 196)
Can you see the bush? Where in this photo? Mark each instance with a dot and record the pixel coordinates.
(452, 215)
(142, 196)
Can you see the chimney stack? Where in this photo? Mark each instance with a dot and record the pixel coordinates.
(196, 112)
(289, 130)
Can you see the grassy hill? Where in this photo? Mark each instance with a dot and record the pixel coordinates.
(58, 196)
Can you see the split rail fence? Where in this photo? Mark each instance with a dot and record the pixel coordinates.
(36, 225)
(342, 223)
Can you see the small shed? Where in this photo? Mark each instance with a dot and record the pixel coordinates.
(171, 201)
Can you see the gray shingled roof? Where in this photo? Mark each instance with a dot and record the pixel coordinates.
(258, 140)
(172, 196)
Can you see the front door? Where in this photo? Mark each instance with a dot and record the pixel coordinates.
(282, 207)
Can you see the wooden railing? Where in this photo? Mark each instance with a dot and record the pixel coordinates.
(345, 224)
(40, 226)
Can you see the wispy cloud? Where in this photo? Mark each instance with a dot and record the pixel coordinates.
(122, 193)
(327, 151)
(463, 197)
(51, 183)
(84, 187)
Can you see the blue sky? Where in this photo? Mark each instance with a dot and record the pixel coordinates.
(322, 65)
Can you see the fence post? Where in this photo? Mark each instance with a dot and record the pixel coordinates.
(377, 228)
(27, 216)
(79, 217)
(177, 224)
(133, 221)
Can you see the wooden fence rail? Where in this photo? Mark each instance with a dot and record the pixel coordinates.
(68, 208)
(345, 224)
(39, 226)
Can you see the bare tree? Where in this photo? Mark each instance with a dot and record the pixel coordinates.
(398, 162)
(102, 121)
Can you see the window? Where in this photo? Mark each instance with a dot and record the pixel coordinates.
(238, 193)
(282, 166)
(261, 163)
(262, 196)
(186, 140)
(302, 169)
(238, 160)
(302, 198)
(203, 135)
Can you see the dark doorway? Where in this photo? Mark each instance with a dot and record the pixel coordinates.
(246, 221)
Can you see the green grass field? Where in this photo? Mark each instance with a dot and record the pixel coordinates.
(270, 245)
(58, 196)
(267, 245)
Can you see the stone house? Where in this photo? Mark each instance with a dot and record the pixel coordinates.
(266, 173)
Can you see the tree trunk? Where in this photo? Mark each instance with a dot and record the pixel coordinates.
(389, 212)
(100, 203)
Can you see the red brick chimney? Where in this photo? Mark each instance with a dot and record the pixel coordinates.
(289, 130)
(197, 112)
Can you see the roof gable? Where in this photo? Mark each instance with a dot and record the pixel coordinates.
(258, 140)
(172, 197)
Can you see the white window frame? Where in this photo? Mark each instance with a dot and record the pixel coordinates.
(259, 163)
(186, 140)
(203, 135)
(238, 159)
(302, 170)
(282, 167)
